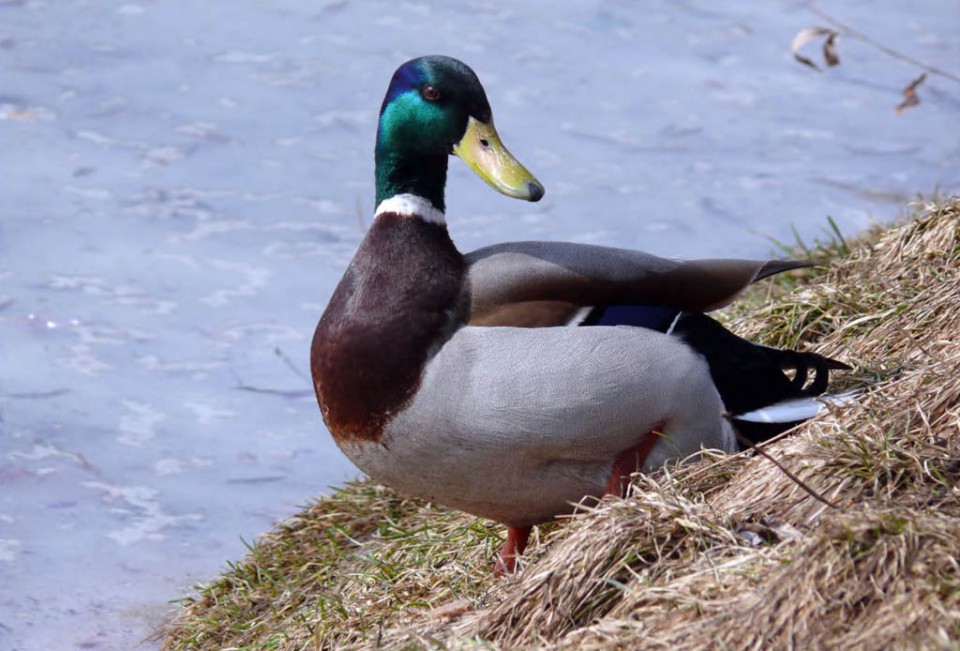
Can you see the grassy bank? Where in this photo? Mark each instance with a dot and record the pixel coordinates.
(850, 540)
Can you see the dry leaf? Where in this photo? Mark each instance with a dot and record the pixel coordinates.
(830, 50)
(783, 531)
(808, 34)
(451, 610)
(910, 97)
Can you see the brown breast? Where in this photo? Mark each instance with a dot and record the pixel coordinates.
(402, 295)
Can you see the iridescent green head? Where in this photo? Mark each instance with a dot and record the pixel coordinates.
(434, 107)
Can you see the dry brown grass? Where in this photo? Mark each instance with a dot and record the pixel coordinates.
(728, 552)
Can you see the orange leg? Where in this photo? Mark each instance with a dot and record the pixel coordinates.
(628, 462)
(514, 545)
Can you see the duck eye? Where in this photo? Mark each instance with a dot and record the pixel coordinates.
(430, 93)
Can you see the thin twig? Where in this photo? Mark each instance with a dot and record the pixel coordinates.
(745, 452)
(849, 31)
(744, 441)
(289, 362)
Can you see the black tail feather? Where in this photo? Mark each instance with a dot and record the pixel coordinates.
(750, 376)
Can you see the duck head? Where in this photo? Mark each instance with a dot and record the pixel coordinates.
(434, 107)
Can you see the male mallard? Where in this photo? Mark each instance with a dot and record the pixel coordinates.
(508, 423)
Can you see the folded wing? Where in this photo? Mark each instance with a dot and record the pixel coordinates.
(588, 275)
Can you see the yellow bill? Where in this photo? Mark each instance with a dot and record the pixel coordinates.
(482, 150)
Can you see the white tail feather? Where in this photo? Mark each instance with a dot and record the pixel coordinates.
(790, 411)
(580, 316)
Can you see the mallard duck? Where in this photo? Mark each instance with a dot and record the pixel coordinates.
(519, 424)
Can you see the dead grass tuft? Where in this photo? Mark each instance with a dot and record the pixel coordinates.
(727, 552)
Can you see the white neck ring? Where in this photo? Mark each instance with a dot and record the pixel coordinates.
(411, 205)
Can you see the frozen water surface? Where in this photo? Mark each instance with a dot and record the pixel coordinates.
(183, 184)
